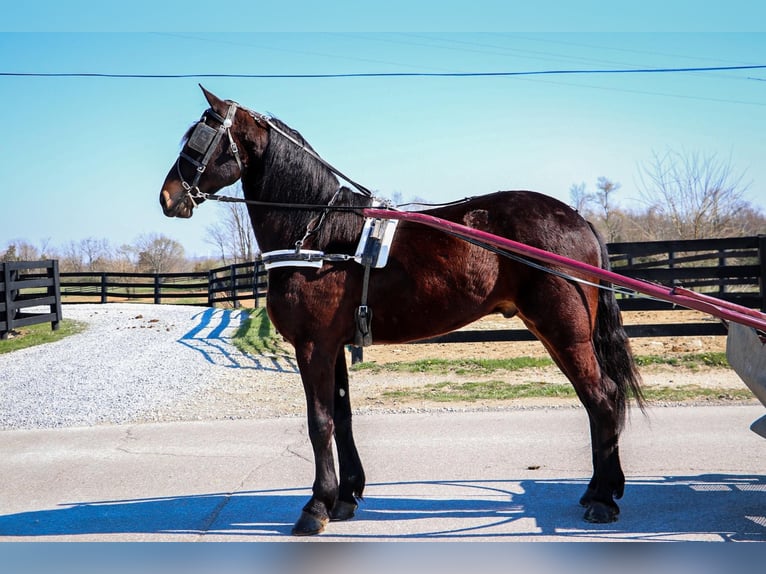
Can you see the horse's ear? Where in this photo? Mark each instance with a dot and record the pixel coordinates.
(214, 101)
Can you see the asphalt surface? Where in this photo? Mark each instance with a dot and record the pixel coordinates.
(694, 474)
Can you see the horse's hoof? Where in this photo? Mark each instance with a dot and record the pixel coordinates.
(587, 498)
(343, 511)
(308, 524)
(600, 513)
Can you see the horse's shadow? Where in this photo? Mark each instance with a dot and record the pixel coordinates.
(717, 507)
(211, 337)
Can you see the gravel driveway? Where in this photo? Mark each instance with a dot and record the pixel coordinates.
(133, 363)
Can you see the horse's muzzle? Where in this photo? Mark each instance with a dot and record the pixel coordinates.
(175, 205)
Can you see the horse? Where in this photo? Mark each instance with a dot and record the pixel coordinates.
(431, 284)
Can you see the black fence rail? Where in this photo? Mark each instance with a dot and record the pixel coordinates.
(233, 284)
(106, 287)
(25, 285)
(729, 269)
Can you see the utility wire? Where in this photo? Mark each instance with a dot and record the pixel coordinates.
(387, 74)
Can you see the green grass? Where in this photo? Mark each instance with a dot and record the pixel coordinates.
(691, 361)
(39, 335)
(257, 336)
(483, 390)
(446, 392)
(456, 366)
(489, 366)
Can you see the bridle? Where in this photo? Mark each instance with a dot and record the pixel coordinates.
(204, 139)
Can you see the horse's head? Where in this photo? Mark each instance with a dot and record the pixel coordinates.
(213, 156)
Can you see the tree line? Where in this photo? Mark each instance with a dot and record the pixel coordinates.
(682, 196)
(152, 253)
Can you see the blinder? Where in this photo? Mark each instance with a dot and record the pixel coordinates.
(201, 138)
(204, 140)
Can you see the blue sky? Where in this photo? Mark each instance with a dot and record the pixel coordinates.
(85, 157)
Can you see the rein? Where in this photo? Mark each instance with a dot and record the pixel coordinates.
(276, 204)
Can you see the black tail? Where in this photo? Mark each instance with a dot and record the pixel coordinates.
(612, 345)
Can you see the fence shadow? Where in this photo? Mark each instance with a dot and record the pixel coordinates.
(712, 507)
(211, 337)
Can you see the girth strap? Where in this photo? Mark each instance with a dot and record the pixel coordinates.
(363, 334)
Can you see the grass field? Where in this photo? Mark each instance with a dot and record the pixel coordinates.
(39, 334)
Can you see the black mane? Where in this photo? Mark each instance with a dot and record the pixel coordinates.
(288, 174)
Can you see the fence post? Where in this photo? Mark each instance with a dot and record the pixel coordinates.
(210, 283)
(233, 281)
(157, 287)
(55, 290)
(258, 271)
(7, 298)
(762, 261)
(722, 264)
(103, 288)
(255, 284)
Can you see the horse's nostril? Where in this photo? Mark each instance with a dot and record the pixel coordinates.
(169, 207)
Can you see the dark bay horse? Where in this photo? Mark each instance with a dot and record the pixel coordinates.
(433, 283)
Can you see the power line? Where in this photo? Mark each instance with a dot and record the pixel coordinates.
(386, 74)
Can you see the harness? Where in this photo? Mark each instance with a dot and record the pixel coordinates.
(375, 240)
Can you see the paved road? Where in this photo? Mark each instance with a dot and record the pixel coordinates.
(693, 474)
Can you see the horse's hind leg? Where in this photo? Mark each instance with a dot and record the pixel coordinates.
(570, 344)
(599, 394)
(351, 472)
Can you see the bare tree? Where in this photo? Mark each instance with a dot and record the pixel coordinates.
(697, 196)
(96, 253)
(71, 258)
(159, 254)
(604, 198)
(125, 259)
(233, 235)
(600, 207)
(580, 198)
(20, 250)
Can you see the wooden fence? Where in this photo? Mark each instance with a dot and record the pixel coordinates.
(731, 269)
(27, 284)
(233, 284)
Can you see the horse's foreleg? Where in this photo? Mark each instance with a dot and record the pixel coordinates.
(351, 472)
(317, 369)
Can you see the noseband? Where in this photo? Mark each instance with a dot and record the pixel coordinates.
(204, 139)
